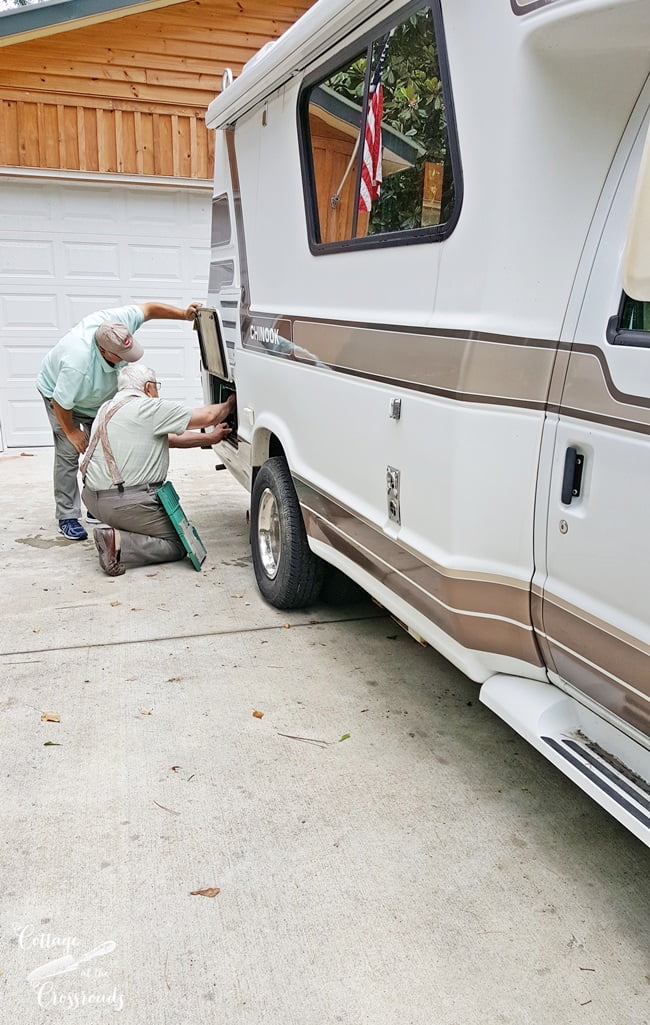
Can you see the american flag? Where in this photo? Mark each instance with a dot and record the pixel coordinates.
(371, 177)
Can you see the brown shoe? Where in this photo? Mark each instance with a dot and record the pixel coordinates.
(108, 549)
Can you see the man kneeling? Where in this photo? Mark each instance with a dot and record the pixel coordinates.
(127, 461)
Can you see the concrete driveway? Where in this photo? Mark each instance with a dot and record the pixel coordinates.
(386, 850)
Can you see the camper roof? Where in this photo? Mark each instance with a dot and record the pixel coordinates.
(559, 26)
(319, 28)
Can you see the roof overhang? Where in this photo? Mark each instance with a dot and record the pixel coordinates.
(319, 29)
(54, 16)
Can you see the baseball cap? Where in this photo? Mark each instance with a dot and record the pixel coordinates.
(118, 340)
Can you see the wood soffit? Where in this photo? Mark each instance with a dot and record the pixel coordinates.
(33, 17)
(171, 53)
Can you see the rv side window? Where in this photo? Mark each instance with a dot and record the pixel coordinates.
(631, 325)
(635, 315)
(221, 230)
(377, 140)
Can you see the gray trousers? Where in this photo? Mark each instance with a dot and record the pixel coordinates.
(146, 532)
(66, 465)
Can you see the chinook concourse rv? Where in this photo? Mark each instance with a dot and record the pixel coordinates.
(430, 289)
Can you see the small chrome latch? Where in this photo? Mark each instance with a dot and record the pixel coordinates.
(392, 494)
(395, 409)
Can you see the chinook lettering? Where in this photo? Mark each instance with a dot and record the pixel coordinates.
(265, 335)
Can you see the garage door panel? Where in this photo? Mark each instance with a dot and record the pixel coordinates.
(90, 210)
(21, 363)
(25, 418)
(99, 260)
(71, 248)
(26, 207)
(196, 267)
(27, 259)
(169, 362)
(24, 312)
(80, 306)
(156, 264)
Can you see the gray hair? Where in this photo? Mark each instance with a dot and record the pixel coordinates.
(135, 376)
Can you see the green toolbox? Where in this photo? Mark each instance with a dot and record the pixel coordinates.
(191, 541)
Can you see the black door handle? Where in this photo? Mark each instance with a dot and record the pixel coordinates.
(572, 477)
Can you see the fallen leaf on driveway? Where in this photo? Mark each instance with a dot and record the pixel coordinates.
(51, 743)
(114, 603)
(144, 711)
(170, 810)
(258, 715)
(346, 736)
(50, 717)
(287, 626)
(36, 630)
(211, 891)
(174, 679)
(307, 740)
(174, 768)
(152, 574)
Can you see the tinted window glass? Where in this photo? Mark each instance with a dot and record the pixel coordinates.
(635, 315)
(379, 138)
(220, 221)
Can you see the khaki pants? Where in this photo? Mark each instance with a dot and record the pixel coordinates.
(66, 465)
(146, 532)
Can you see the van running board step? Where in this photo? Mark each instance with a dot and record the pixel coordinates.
(607, 764)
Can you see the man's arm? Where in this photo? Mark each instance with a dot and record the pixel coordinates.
(194, 439)
(75, 435)
(207, 416)
(160, 311)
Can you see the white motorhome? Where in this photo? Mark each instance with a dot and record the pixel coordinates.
(443, 377)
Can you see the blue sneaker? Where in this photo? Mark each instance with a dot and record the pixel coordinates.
(73, 530)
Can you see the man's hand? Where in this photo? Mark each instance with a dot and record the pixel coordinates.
(208, 416)
(214, 436)
(79, 439)
(190, 312)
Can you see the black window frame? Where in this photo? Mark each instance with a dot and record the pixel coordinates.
(412, 236)
(617, 335)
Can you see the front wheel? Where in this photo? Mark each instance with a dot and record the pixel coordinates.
(288, 573)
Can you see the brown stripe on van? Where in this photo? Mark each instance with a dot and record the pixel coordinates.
(523, 372)
(451, 601)
(612, 651)
(590, 394)
(536, 611)
(629, 706)
(468, 368)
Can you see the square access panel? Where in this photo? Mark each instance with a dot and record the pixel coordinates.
(211, 343)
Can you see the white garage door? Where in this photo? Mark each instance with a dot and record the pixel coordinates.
(69, 248)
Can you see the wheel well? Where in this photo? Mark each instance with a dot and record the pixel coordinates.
(265, 446)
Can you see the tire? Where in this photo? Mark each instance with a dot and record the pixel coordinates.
(339, 589)
(288, 573)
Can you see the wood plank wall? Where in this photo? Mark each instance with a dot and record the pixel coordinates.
(130, 95)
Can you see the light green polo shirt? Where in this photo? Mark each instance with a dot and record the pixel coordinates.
(74, 373)
(138, 438)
